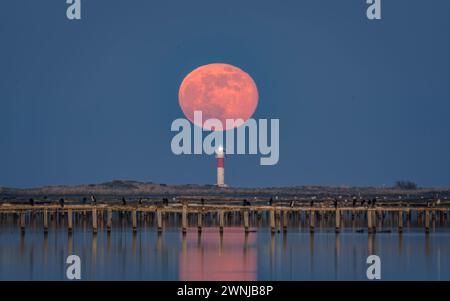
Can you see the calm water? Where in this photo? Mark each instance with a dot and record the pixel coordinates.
(259, 255)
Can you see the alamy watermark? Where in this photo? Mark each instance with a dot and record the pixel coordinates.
(73, 271)
(374, 270)
(258, 137)
(73, 11)
(373, 11)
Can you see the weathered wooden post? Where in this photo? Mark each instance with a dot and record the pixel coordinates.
(134, 220)
(272, 220)
(246, 222)
(22, 222)
(184, 220)
(285, 220)
(45, 220)
(221, 221)
(109, 220)
(199, 221)
(159, 220)
(69, 220)
(338, 220)
(369, 221)
(94, 220)
(312, 215)
(400, 221)
(427, 221)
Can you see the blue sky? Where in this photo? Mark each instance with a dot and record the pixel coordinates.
(360, 102)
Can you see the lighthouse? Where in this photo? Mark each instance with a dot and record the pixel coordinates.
(220, 156)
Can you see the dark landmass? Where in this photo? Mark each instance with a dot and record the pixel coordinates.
(135, 189)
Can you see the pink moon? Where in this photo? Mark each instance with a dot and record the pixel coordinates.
(219, 91)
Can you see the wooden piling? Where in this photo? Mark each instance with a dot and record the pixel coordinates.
(199, 221)
(427, 221)
(45, 221)
(272, 220)
(22, 222)
(400, 221)
(69, 220)
(94, 220)
(134, 221)
(159, 220)
(221, 221)
(109, 220)
(312, 216)
(338, 220)
(369, 221)
(246, 222)
(184, 219)
(285, 221)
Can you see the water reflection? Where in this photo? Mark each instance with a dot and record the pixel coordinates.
(232, 255)
(371, 244)
(220, 256)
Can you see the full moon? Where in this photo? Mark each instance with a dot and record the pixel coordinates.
(219, 91)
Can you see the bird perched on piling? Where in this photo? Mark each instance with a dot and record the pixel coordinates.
(335, 203)
(373, 202)
(61, 202)
(93, 199)
(292, 204)
(270, 202)
(32, 202)
(202, 201)
(354, 202)
(124, 201)
(140, 201)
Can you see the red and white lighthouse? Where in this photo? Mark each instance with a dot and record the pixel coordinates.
(220, 156)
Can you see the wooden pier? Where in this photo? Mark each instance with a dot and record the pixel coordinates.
(281, 217)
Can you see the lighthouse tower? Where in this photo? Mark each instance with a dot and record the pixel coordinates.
(220, 155)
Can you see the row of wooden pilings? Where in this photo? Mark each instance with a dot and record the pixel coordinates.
(370, 214)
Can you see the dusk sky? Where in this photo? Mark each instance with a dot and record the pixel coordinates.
(360, 103)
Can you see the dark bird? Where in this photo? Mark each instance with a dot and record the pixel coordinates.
(373, 202)
(202, 201)
(93, 199)
(140, 201)
(311, 203)
(61, 202)
(84, 201)
(335, 203)
(270, 201)
(124, 201)
(32, 202)
(354, 202)
(292, 204)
